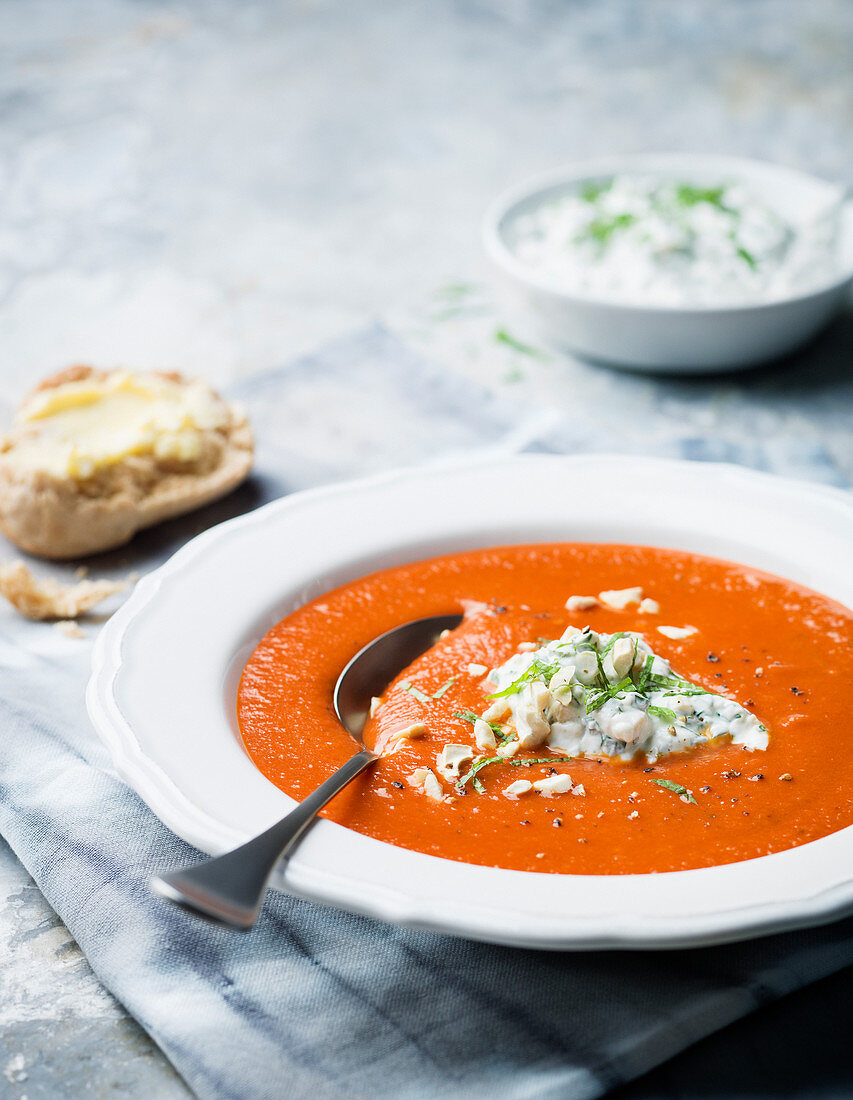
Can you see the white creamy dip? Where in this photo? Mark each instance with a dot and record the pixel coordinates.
(649, 240)
(610, 695)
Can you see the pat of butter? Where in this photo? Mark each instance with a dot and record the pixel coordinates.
(78, 428)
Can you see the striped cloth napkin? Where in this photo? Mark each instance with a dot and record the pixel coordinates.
(316, 1002)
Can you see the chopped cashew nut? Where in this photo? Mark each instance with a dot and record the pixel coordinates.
(408, 733)
(509, 749)
(484, 735)
(526, 647)
(677, 631)
(619, 660)
(581, 603)
(375, 704)
(619, 598)
(580, 789)
(451, 758)
(424, 779)
(477, 670)
(520, 786)
(530, 721)
(496, 711)
(553, 784)
(586, 667)
(649, 607)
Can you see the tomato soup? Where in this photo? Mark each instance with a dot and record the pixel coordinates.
(781, 651)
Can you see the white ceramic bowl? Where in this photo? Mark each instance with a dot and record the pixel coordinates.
(166, 667)
(674, 339)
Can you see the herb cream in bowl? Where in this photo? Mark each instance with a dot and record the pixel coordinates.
(674, 262)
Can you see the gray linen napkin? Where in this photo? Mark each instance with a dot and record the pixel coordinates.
(315, 1002)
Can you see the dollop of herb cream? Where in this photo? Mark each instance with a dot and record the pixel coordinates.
(609, 695)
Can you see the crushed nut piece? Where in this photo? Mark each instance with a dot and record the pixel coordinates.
(581, 603)
(676, 632)
(619, 598)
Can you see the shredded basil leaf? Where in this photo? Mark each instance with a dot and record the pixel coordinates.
(503, 337)
(747, 257)
(470, 716)
(676, 788)
(438, 694)
(663, 712)
(471, 777)
(421, 696)
(612, 691)
(538, 670)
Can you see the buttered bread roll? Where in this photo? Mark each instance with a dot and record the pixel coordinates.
(94, 456)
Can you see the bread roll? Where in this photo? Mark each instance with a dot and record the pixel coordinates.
(94, 456)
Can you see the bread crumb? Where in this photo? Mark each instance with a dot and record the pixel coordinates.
(49, 598)
(69, 628)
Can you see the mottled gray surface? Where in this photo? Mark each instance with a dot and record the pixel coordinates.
(217, 186)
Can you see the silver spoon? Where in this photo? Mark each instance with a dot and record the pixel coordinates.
(231, 888)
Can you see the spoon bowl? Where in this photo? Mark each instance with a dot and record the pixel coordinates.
(373, 668)
(230, 889)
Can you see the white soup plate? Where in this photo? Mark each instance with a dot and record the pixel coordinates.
(166, 669)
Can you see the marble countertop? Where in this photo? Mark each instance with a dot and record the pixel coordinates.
(217, 187)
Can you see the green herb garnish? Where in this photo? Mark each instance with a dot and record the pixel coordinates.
(663, 712)
(592, 191)
(687, 195)
(645, 673)
(538, 670)
(612, 691)
(747, 257)
(438, 694)
(421, 696)
(614, 638)
(503, 337)
(601, 230)
(478, 786)
(676, 788)
(497, 730)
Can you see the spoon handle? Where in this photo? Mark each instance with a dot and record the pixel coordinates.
(231, 887)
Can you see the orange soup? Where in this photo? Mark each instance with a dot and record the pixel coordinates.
(783, 653)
